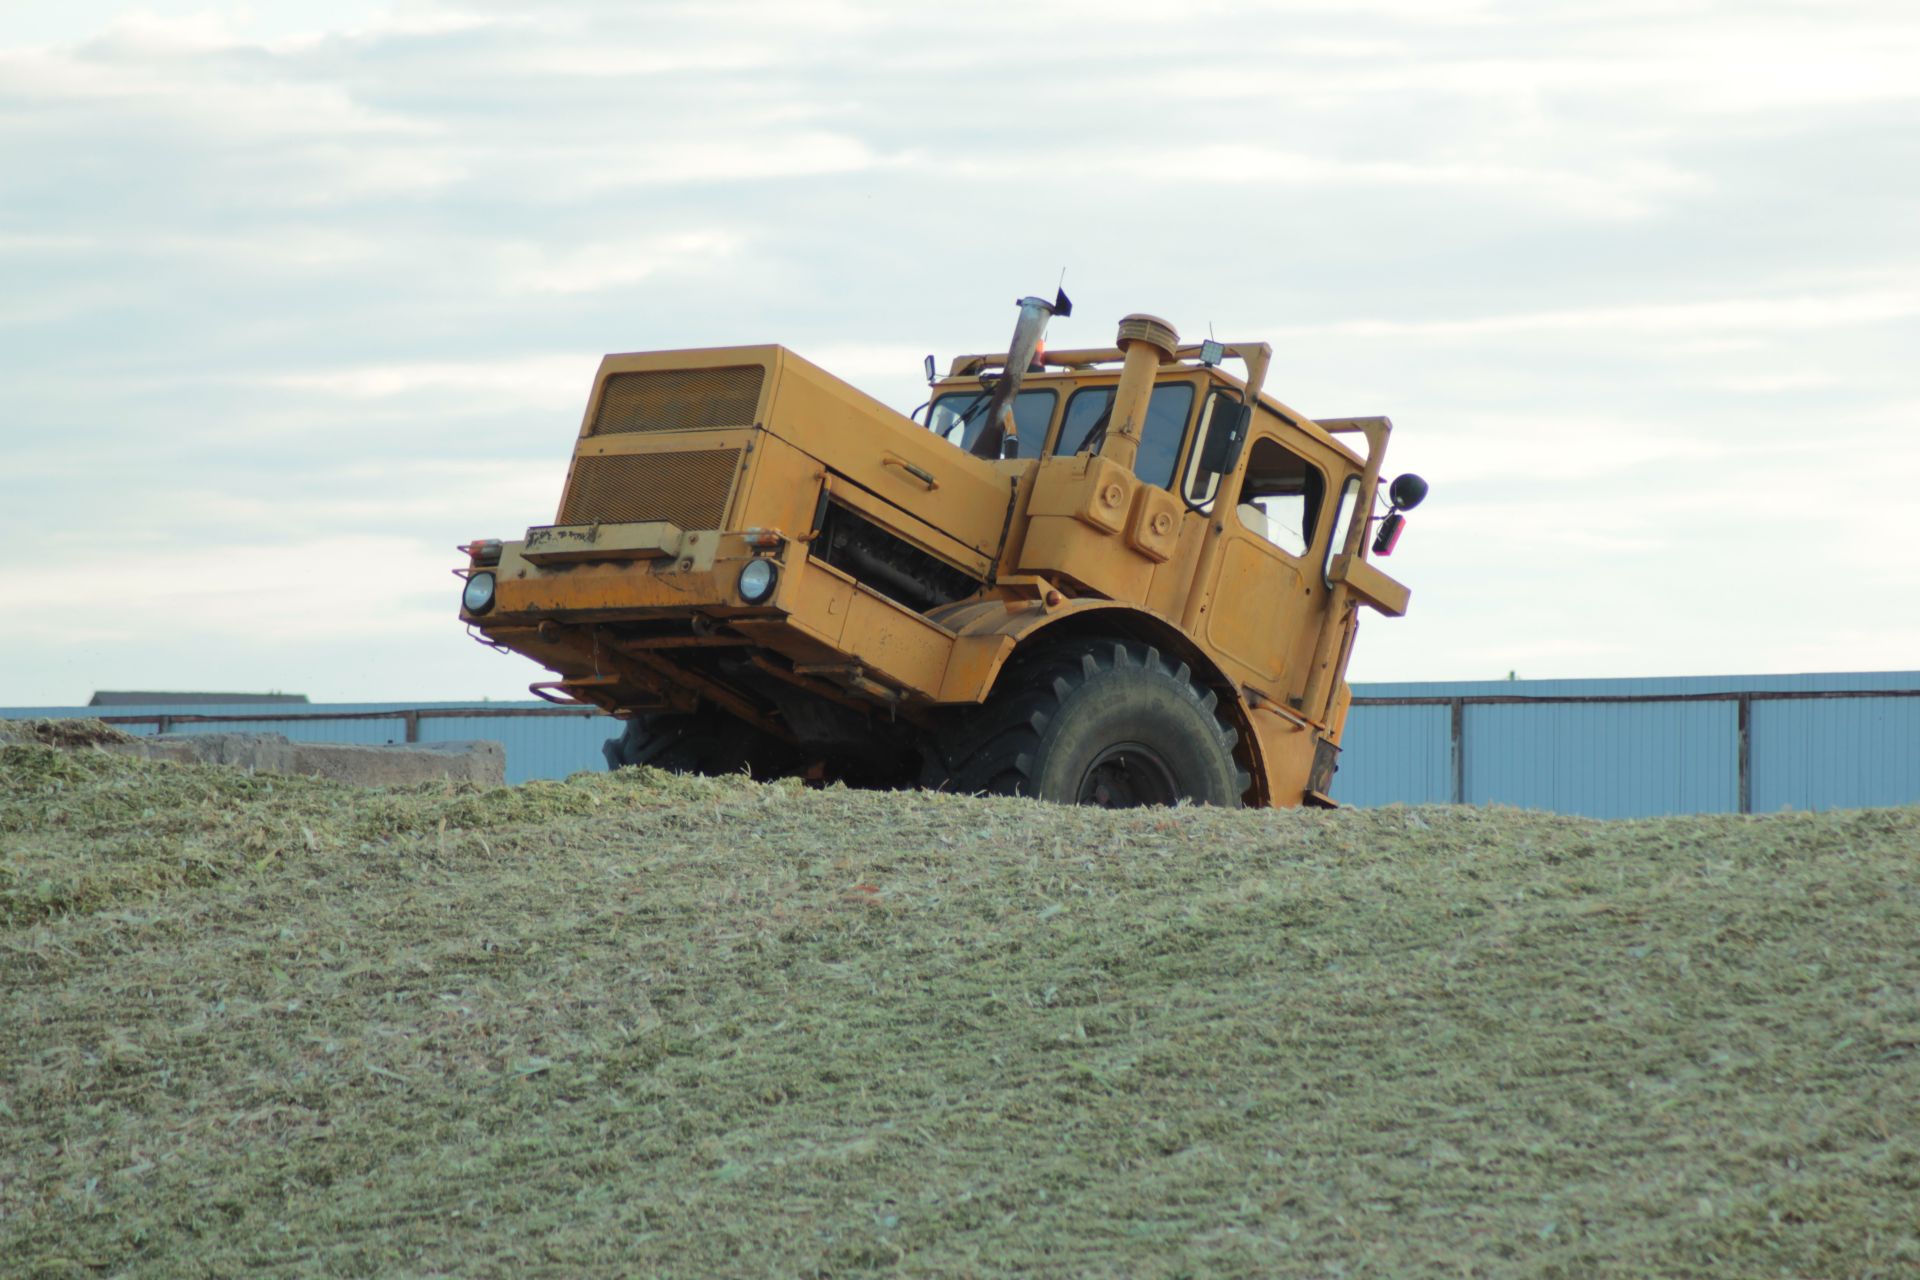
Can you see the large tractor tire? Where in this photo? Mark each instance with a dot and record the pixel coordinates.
(708, 743)
(1109, 724)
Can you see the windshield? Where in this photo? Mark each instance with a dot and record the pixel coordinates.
(1160, 436)
(960, 416)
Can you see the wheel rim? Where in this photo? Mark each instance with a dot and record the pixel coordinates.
(1128, 776)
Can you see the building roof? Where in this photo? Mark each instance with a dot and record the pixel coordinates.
(120, 698)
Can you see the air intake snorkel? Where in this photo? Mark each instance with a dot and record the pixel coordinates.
(1000, 438)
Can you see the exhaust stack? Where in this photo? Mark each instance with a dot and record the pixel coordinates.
(1001, 437)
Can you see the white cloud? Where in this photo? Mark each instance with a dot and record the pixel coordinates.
(592, 268)
(1772, 383)
(144, 92)
(1609, 189)
(1714, 318)
(540, 382)
(602, 61)
(711, 158)
(376, 588)
(1572, 445)
(327, 284)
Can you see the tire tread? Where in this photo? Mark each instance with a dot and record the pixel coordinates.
(994, 749)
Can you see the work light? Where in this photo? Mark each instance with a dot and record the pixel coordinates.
(478, 597)
(757, 579)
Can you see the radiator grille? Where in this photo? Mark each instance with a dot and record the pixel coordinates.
(688, 489)
(679, 400)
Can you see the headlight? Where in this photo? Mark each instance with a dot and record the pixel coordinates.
(757, 579)
(478, 597)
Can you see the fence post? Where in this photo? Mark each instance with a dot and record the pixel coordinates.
(1457, 707)
(1745, 719)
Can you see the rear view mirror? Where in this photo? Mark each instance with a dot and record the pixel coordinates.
(929, 368)
(1389, 535)
(1405, 493)
(1222, 447)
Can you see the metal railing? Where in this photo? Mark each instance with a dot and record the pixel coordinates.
(165, 721)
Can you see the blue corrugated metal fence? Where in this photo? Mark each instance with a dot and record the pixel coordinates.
(1640, 747)
(1604, 748)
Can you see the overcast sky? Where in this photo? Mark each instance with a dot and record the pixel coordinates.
(295, 297)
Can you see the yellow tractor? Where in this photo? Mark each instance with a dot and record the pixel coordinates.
(1116, 576)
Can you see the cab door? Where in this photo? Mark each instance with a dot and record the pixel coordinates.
(1265, 581)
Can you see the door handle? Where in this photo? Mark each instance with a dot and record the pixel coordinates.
(924, 476)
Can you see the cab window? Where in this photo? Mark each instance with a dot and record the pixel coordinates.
(1343, 513)
(1089, 414)
(960, 416)
(1281, 496)
(1217, 421)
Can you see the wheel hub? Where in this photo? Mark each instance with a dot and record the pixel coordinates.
(1128, 775)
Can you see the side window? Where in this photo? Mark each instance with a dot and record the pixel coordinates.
(1091, 410)
(1281, 496)
(960, 416)
(1342, 522)
(1220, 416)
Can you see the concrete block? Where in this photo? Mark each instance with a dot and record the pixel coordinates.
(483, 762)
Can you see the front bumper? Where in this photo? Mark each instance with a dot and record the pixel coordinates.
(636, 571)
(571, 597)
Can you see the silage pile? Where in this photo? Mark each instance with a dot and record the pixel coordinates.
(667, 1026)
(63, 733)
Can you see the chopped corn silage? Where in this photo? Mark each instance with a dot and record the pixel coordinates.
(656, 1025)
